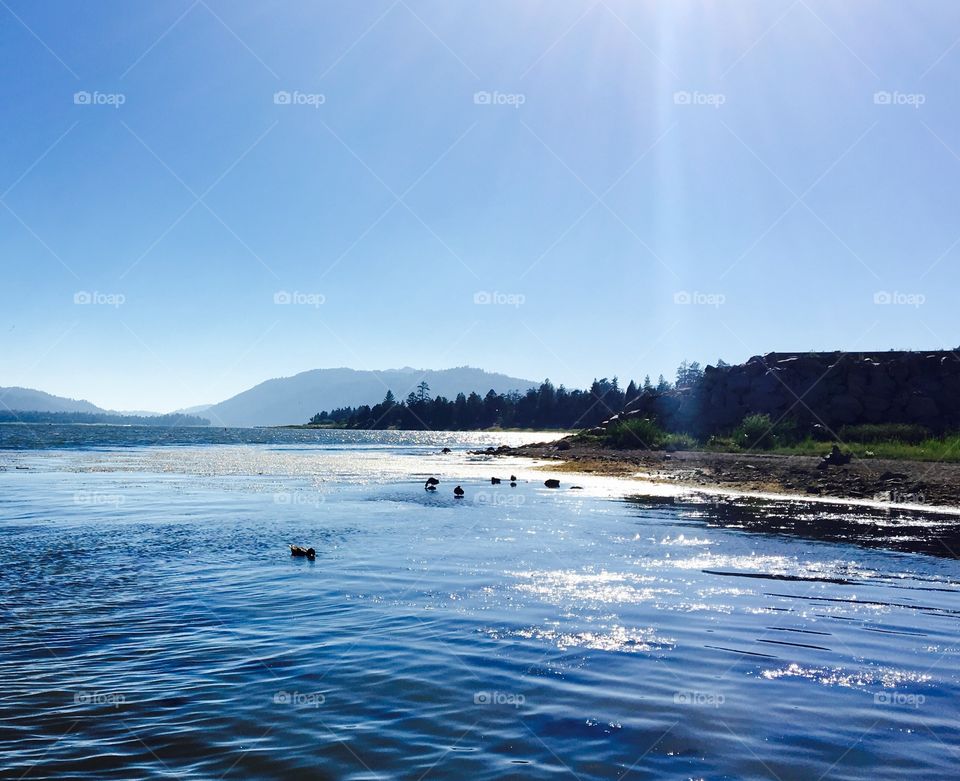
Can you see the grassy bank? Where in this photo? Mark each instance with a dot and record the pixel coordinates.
(944, 449)
(757, 433)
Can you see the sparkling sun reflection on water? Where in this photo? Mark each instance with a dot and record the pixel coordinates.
(155, 620)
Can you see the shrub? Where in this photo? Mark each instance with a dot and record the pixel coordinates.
(680, 442)
(908, 433)
(639, 433)
(758, 431)
(721, 444)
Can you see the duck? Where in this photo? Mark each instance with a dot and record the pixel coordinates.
(296, 550)
(552, 483)
(446, 450)
(513, 478)
(494, 481)
(431, 484)
(458, 492)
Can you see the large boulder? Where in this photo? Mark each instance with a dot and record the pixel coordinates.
(844, 408)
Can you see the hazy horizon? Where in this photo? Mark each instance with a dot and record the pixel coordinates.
(398, 390)
(197, 195)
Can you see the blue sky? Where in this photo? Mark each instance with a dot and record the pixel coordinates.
(620, 186)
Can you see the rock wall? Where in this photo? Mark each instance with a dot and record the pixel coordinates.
(829, 389)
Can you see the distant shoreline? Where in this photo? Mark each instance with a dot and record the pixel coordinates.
(325, 426)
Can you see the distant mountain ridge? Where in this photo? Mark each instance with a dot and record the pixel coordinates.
(293, 399)
(296, 399)
(27, 399)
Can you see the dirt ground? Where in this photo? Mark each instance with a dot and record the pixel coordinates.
(905, 482)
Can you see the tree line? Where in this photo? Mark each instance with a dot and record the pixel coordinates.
(103, 418)
(547, 406)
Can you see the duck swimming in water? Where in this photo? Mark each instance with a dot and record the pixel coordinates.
(296, 550)
(458, 492)
(494, 481)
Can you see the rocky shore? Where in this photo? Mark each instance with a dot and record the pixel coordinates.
(895, 481)
(814, 390)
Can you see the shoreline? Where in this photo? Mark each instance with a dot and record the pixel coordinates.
(896, 484)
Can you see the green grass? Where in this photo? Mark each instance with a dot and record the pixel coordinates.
(680, 442)
(894, 441)
(872, 440)
(640, 434)
(636, 434)
(885, 432)
(759, 432)
(946, 449)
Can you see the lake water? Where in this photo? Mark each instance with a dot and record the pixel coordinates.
(156, 626)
